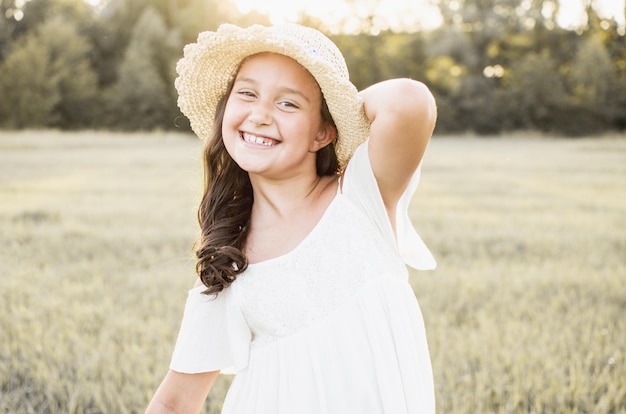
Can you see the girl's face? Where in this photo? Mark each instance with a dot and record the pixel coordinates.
(272, 123)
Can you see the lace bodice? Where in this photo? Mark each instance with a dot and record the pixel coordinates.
(280, 296)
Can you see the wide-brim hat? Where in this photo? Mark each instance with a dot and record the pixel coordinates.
(211, 63)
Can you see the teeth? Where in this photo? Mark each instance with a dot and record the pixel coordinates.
(268, 142)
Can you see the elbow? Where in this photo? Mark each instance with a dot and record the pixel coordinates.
(403, 99)
(416, 110)
(401, 111)
(410, 103)
(430, 105)
(419, 105)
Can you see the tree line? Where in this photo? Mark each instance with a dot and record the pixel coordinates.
(493, 65)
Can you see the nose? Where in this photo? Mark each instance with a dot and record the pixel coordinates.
(260, 114)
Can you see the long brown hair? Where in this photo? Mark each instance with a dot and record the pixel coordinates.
(226, 205)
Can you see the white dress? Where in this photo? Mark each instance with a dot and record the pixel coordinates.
(332, 327)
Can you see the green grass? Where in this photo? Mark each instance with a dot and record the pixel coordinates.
(525, 313)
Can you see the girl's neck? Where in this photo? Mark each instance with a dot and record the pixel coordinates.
(280, 199)
(283, 215)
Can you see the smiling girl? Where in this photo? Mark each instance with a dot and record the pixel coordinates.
(303, 289)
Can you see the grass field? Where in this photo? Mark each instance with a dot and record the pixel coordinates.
(526, 312)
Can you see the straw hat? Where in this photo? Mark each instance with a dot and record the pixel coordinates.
(210, 64)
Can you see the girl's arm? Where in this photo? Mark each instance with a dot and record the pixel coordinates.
(182, 393)
(403, 114)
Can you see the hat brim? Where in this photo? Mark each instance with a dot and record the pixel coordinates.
(209, 65)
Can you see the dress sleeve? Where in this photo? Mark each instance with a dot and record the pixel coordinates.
(213, 335)
(359, 184)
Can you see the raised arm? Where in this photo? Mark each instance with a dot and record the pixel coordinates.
(403, 114)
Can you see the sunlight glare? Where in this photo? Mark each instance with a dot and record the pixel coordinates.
(572, 13)
(394, 14)
(409, 15)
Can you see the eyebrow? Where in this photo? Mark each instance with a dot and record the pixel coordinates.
(282, 88)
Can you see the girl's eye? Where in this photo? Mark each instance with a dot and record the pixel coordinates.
(288, 104)
(246, 94)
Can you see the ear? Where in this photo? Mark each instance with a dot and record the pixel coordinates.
(325, 136)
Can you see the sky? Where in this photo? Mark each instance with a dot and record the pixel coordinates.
(404, 13)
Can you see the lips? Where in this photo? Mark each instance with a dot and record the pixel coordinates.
(259, 140)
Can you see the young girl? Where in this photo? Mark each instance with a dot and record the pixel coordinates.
(303, 291)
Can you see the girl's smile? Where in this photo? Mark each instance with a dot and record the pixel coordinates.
(272, 122)
(260, 140)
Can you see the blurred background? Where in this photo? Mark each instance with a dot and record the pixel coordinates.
(100, 179)
(494, 65)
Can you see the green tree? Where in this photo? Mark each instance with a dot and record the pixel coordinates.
(592, 74)
(29, 94)
(20, 17)
(478, 107)
(37, 12)
(68, 57)
(111, 35)
(363, 54)
(47, 79)
(616, 48)
(534, 93)
(194, 16)
(456, 45)
(8, 23)
(143, 96)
